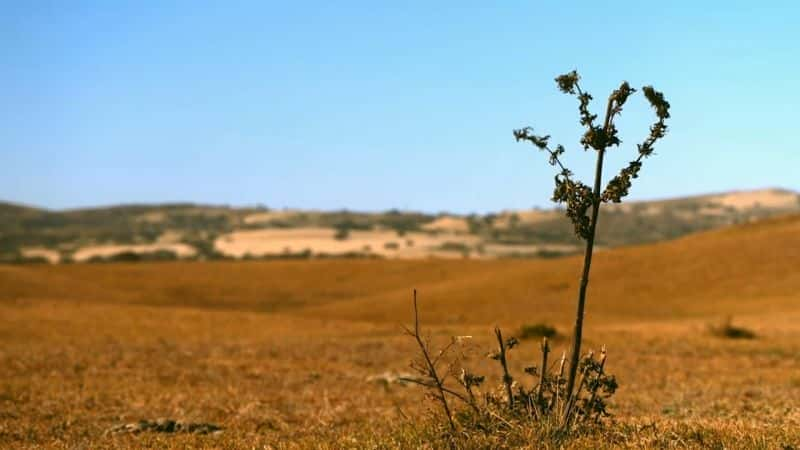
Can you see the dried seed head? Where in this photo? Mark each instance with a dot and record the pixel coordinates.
(568, 81)
(461, 339)
(469, 379)
(511, 343)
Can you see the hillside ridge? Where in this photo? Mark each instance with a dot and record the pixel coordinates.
(190, 231)
(740, 270)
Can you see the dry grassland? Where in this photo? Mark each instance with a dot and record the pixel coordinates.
(278, 352)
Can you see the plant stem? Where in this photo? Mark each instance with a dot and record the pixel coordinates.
(569, 414)
(587, 262)
(543, 372)
(554, 400)
(600, 368)
(431, 367)
(507, 380)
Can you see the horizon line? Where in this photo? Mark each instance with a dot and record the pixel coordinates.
(266, 208)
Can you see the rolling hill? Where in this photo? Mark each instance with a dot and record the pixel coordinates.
(187, 231)
(741, 269)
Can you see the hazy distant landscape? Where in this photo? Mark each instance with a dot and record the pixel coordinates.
(197, 232)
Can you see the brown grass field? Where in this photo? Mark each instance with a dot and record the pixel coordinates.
(278, 352)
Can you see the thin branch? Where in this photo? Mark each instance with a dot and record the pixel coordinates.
(599, 374)
(543, 374)
(574, 396)
(554, 401)
(431, 369)
(507, 380)
(442, 352)
(554, 157)
(446, 390)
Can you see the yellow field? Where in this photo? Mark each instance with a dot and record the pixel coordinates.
(278, 353)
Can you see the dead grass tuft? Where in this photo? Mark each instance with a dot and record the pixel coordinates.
(726, 329)
(538, 330)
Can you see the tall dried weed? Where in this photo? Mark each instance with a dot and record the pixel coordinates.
(571, 393)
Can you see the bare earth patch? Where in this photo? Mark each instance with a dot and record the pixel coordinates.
(526, 217)
(104, 251)
(51, 256)
(448, 224)
(387, 243)
(767, 198)
(269, 216)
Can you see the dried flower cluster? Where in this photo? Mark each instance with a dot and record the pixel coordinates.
(577, 196)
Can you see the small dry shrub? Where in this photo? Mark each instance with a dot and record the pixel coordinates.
(726, 329)
(537, 330)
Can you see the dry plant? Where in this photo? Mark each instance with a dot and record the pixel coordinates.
(583, 203)
(726, 329)
(577, 397)
(510, 406)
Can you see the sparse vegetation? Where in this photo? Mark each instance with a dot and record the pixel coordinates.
(342, 233)
(726, 329)
(128, 256)
(17, 258)
(459, 247)
(538, 330)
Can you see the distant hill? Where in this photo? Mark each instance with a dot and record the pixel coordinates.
(740, 270)
(189, 231)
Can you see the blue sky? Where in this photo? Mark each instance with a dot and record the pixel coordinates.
(367, 106)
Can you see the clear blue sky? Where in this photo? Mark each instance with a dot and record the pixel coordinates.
(364, 106)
